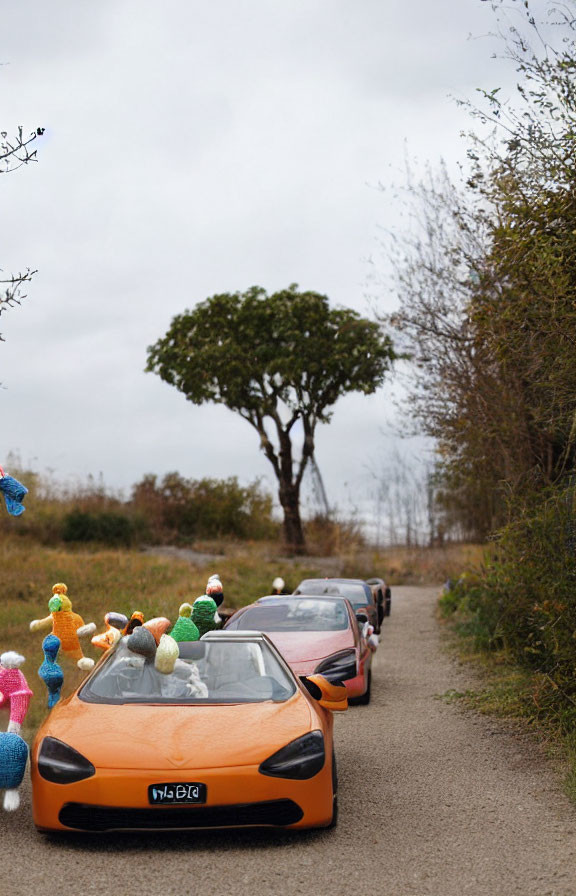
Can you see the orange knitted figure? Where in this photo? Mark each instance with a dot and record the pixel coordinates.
(66, 625)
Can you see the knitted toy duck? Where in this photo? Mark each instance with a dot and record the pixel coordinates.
(115, 625)
(184, 629)
(203, 613)
(15, 694)
(66, 625)
(50, 672)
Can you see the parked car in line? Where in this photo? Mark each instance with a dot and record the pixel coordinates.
(359, 593)
(229, 738)
(382, 594)
(315, 634)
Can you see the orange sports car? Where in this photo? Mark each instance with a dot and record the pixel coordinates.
(229, 738)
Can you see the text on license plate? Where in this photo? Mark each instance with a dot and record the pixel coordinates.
(184, 792)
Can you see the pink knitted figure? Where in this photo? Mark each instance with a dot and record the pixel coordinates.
(14, 691)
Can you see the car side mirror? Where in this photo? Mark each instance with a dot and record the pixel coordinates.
(330, 696)
(361, 618)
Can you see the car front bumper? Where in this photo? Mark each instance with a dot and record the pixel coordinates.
(116, 799)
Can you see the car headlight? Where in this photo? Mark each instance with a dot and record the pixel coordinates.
(339, 666)
(301, 758)
(61, 764)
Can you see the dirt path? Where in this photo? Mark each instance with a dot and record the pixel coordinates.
(433, 802)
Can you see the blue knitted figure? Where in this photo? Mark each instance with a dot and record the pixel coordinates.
(13, 756)
(13, 492)
(50, 672)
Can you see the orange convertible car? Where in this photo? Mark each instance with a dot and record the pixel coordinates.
(229, 738)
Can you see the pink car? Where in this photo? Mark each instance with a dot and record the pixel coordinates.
(314, 633)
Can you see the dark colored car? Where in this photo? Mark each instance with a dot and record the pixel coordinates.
(382, 593)
(358, 592)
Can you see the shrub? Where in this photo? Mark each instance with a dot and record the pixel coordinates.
(106, 527)
(204, 508)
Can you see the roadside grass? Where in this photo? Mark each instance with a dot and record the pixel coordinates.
(509, 691)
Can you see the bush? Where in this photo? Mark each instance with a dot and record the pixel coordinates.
(107, 528)
(204, 508)
(524, 600)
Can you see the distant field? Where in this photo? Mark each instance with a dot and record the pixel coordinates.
(128, 580)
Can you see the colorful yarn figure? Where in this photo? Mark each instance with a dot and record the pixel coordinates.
(14, 691)
(13, 757)
(13, 492)
(157, 626)
(142, 643)
(166, 655)
(136, 619)
(184, 629)
(115, 625)
(214, 589)
(50, 672)
(66, 625)
(203, 612)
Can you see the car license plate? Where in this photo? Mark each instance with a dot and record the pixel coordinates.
(184, 792)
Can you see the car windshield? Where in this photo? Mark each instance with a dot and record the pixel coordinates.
(216, 671)
(356, 594)
(294, 615)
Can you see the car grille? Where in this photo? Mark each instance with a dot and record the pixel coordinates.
(85, 817)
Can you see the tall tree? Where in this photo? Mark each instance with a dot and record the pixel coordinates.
(280, 361)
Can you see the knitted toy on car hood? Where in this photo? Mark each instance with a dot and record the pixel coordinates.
(115, 625)
(66, 625)
(203, 613)
(184, 629)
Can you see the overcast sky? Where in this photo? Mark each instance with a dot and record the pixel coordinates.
(199, 147)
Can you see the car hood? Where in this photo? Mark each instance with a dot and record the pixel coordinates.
(165, 736)
(305, 647)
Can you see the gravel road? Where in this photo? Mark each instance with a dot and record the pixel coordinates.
(433, 802)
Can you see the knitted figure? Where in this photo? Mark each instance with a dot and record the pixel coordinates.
(13, 492)
(142, 643)
(203, 612)
(166, 655)
(214, 590)
(13, 757)
(50, 672)
(184, 629)
(136, 619)
(157, 626)
(115, 624)
(66, 625)
(14, 691)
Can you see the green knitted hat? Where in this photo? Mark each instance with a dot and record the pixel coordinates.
(203, 611)
(185, 630)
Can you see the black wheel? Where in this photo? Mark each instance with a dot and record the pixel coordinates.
(364, 700)
(334, 820)
(388, 597)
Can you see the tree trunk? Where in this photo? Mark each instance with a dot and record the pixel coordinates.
(289, 495)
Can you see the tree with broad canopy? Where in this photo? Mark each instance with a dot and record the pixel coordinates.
(277, 360)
